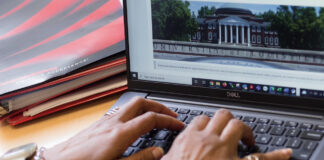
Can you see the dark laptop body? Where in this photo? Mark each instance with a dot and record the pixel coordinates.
(281, 115)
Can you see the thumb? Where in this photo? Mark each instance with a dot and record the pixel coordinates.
(152, 153)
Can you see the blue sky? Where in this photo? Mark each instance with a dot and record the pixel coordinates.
(195, 6)
(255, 8)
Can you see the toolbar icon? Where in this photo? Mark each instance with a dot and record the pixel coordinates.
(224, 84)
(265, 88)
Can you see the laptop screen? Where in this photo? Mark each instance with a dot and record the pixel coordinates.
(252, 46)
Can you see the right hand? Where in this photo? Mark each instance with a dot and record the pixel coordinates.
(217, 138)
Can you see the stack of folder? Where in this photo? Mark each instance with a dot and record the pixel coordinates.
(58, 54)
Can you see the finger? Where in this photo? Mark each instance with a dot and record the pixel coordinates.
(198, 123)
(282, 154)
(235, 131)
(137, 106)
(148, 121)
(219, 121)
(152, 153)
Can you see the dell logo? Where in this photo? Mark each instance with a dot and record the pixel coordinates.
(233, 94)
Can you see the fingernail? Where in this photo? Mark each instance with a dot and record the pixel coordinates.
(287, 152)
(158, 153)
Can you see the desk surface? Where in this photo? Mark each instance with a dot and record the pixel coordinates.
(55, 128)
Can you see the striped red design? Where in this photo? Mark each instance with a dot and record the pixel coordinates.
(20, 6)
(53, 33)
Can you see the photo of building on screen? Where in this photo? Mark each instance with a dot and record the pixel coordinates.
(235, 25)
(249, 35)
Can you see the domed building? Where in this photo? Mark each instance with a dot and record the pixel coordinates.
(232, 24)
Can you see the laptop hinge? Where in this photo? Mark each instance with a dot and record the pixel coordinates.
(227, 106)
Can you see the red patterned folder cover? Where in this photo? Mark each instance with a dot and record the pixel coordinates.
(44, 39)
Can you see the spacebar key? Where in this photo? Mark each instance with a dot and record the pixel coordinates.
(311, 135)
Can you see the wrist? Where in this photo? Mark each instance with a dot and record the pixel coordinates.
(47, 154)
(51, 154)
(59, 151)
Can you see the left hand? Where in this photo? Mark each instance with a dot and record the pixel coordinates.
(112, 135)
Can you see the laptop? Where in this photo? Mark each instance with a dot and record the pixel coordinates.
(262, 60)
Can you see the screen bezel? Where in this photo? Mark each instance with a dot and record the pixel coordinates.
(217, 94)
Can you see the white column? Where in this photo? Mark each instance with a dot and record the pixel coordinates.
(225, 33)
(231, 33)
(220, 34)
(237, 35)
(242, 34)
(249, 36)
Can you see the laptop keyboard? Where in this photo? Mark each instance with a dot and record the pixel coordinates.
(270, 135)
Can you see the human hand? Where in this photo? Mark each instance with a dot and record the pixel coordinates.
(112, 135)
(217, 139)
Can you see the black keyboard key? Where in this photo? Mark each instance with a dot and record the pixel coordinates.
(262, 148)
(311, 135)
(238, 117)
(245, 150)
(196, 112)
(293, 132)
(242, 147)
(262, 129)
(137, 143)
(291, 124)
(128, 152)
(271, 149)
(182, 117)
(174, 109)
(147, 143)
(189, 119)
(319, 127)
(306, 126)
(183, 111)
(242, 151)
(263, 139)
(251, 125)
(277, 122)
(147, 135)
(209, 114)
(173, 135)
(249, 119)
(278, 131)
(279, 141)
(241, 154)
(252, 149)
(300, 155)
(161, 135)
(310, 145)
(294, 143)
(263, 120)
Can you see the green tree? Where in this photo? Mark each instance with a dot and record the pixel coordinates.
(206, 11)
(320, 26)
(172, 20)
(298, 27)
